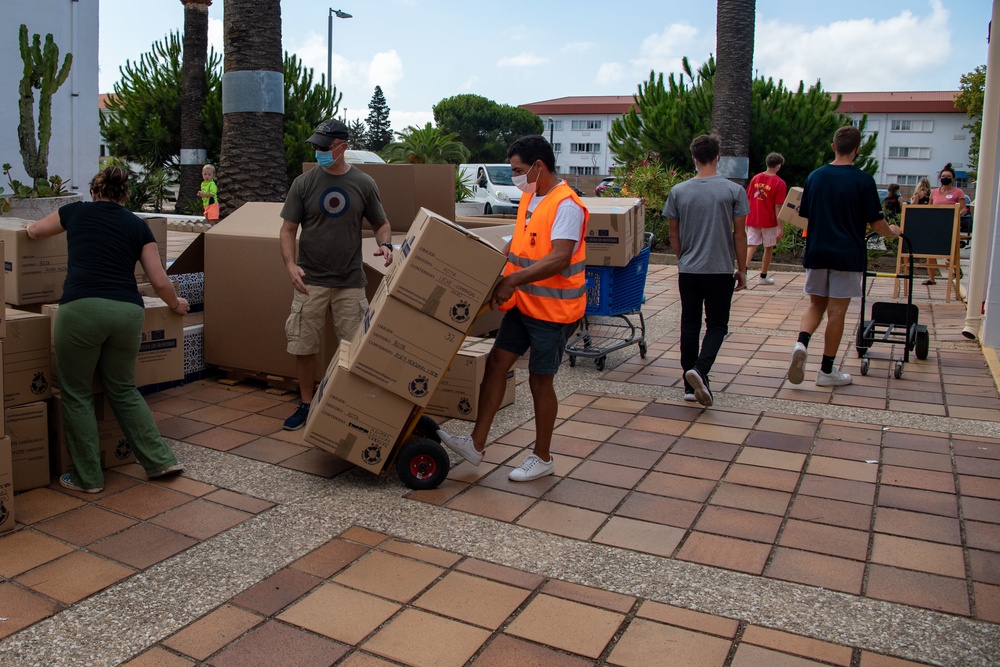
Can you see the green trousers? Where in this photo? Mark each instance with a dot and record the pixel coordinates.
(103, 335)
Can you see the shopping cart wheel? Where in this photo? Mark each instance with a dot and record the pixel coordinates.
(572, 361)
(897, 371)
(642, 349)
(864, 365)
(923, 344)
(422, 464)
(599, 362)
(426, 428)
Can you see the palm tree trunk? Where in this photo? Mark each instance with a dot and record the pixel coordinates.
(252, 164)
(193, 93)
(733, 84)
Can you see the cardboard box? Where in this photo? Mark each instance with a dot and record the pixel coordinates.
(6, 487)
(3, 315)
(161, 352)
(614, 230)
(27, 426)
(158, 225)
(27, 355)
(498, 236)
(115, 448)
(248, 289)
(444, 271)
(34, 271)
(789, 211)
(401, 349)
(457, 395)
(355, 419)
(406, 188)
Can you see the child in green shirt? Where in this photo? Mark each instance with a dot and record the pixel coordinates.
(209, 193)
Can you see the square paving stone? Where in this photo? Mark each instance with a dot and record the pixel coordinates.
(275, 644)
(340, 613)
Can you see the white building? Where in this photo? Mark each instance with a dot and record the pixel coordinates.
(75, 140)
(918, 132)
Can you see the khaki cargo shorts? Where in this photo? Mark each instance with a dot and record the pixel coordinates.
(304, 327)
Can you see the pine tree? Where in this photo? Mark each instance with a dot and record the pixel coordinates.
(379, 130)
(359, 134)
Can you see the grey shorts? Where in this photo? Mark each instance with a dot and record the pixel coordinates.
(833, 284)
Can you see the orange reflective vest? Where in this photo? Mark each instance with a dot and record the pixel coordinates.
(559, 298)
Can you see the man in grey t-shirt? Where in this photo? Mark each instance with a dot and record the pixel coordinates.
(328, 203)
(707, 217)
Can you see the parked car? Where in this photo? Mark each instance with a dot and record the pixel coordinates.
(491, 186)
(882, 194)
(607, 183)
(362, 157)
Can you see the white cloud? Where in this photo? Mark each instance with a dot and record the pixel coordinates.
(896, 53)
(522, 60)
(579, 48)
(609, 74)
(469, 83)
(215, 34)
(385, 70)
(662, 51)
(400, 120)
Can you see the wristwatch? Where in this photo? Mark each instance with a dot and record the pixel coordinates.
(387, 245)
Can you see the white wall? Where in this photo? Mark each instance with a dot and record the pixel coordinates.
(946, 142)
(75, 141)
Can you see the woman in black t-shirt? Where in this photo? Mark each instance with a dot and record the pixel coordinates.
(98, 326)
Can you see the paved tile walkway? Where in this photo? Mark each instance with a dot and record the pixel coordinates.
(786, 526)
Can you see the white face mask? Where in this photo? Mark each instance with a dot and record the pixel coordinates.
(522, 184)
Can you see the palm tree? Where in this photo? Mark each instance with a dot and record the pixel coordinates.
(193, 92)
(426, 145)
(734, 31)
(252, 164)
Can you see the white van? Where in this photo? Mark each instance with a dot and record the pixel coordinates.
(493, 191)
(362, 157)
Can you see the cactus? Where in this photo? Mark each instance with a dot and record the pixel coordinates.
(42, 72)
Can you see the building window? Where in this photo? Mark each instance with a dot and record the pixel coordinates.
(583, 171)
(586, 125)
(556, 125)
(556, 147)
(912, 126)
(906, 179)
(585, 148)
(909, 152)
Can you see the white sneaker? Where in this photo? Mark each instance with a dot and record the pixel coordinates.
(797, 366)
(463, 446)
(690, 397)
(762, 280)
(531, 468)
(837, 378)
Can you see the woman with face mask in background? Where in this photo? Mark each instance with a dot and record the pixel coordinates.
(946, 195)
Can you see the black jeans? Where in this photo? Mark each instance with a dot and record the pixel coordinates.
(712, 292)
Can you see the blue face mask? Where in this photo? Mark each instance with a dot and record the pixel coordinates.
(324, 158)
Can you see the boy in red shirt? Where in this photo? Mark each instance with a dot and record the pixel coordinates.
(766, 193)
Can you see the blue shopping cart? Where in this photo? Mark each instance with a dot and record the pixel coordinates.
(614, 296)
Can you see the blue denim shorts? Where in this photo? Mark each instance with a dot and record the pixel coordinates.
(547, 340)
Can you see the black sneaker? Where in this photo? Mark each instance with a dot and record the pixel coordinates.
(297, 420)
(699, 383)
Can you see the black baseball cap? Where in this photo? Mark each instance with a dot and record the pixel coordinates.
(327, 131)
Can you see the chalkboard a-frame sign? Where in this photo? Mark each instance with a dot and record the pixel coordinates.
(933, 235)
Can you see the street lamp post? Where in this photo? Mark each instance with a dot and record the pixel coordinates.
(329, 44)
(552, 126)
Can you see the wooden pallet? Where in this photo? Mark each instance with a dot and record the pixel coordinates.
(279, 385)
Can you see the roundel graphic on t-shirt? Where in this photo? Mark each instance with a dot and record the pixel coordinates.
(334, 202)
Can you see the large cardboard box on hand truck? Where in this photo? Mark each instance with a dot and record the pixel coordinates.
(401, 349)
(444, 271)
(355, 419)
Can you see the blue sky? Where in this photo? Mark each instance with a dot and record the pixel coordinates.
(422, 51)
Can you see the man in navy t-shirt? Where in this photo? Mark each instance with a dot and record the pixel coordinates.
(839, 201)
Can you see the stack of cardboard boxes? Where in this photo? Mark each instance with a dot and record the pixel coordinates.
(34, 272)
(416, 321)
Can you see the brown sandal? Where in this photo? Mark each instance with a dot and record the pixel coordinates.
(930, 282)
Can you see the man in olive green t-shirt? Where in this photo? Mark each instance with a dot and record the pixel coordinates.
(329, 204)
